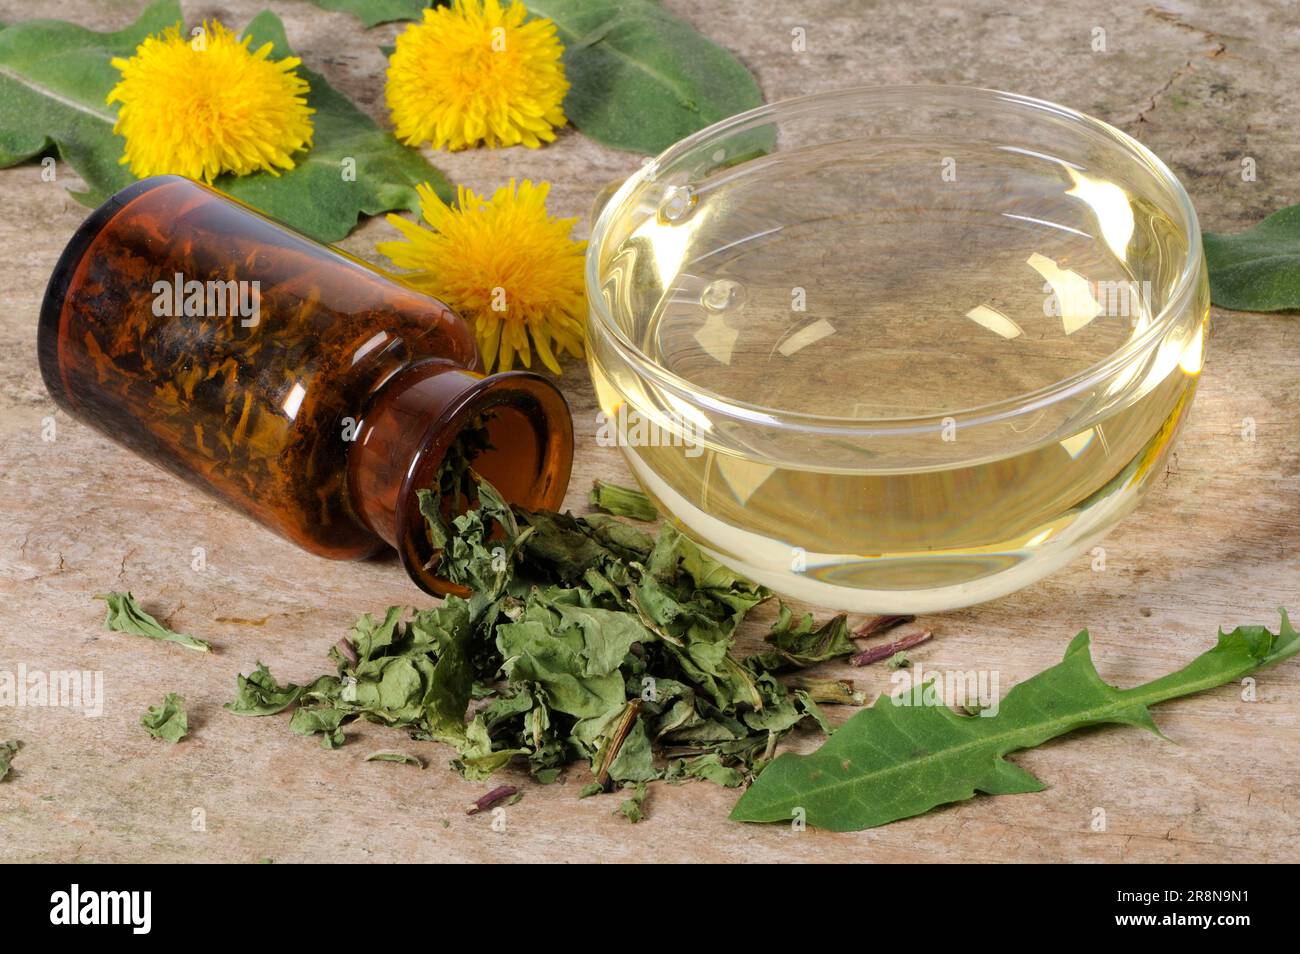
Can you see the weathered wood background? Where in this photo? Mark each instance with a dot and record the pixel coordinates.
(1204, 84)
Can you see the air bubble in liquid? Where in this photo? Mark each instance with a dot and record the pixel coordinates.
(722, 294)
(677, 204)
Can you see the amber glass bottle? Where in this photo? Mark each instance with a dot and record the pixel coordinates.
(295, 382)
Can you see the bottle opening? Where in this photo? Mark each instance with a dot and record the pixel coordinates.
(514, 428)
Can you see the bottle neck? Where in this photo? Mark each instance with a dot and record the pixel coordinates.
(418, 414)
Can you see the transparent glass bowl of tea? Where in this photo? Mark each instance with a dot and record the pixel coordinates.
(897, 350)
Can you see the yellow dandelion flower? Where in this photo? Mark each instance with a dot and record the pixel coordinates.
(504, 265)
(476, 72)
(203, 105)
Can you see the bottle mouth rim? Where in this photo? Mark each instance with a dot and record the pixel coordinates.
(542, 404)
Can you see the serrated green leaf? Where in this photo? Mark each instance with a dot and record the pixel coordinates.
(1258, 269)
(908, 754)
(126, 616)
(168, 721)
(642, 78)
(55, 77)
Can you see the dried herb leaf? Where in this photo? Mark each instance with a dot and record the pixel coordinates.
(1258, 269)
(908, 754)
(709, 767)
(126, 616)
(633, 808)
(621, 501)
(325, 720)
(456, 487)
(809, 705)
(803, 643)
(258, 694)
(7, 752)
(168, 721)
(385, 755)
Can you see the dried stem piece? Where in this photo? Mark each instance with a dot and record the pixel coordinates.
(877, 653)
(837, 692)
(490, 799)
(624, 726)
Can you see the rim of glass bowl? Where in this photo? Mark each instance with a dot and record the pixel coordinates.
(1027, 402)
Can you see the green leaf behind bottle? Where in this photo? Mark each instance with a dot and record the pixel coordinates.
(55, 77)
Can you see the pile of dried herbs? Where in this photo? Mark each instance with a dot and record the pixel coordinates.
(586, 638)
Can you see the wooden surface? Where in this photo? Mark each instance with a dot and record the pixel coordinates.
(1202, 83)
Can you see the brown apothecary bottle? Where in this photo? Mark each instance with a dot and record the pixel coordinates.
(285, 377)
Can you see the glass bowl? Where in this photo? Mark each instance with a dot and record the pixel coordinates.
(897, 349)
